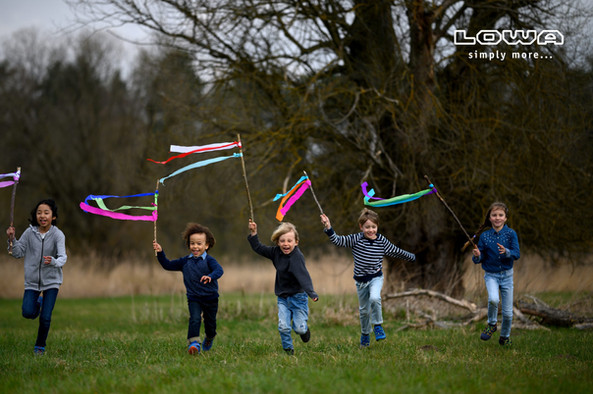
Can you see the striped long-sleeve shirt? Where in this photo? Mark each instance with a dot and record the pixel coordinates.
(368, 253)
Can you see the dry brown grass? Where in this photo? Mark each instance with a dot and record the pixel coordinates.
(86, 277)
(332, 274)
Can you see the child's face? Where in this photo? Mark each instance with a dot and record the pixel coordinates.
(498, 218)
(287, 242)
(44, 217)
(369, 229)
(198, 244)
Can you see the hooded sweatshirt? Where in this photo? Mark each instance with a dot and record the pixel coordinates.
(31, 246)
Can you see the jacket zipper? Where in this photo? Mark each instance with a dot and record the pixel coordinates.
(41, 261)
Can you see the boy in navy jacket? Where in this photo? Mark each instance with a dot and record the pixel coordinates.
(200, 276)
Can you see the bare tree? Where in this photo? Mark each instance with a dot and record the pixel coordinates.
(377, 90)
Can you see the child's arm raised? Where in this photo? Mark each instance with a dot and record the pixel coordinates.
(263, 250)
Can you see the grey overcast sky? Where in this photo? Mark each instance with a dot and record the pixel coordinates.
(43, 14)
(51, 16)
(54, 17)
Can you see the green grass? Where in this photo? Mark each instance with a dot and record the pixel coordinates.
(138, 344)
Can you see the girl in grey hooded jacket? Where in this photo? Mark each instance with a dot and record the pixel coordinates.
(43, 247)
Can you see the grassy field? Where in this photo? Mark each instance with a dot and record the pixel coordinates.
(137, 344)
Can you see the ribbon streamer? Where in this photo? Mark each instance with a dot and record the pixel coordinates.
(382, 202)
(15, 176)
(188, 150)
(102, 209)
(290, 197)
(199, 164)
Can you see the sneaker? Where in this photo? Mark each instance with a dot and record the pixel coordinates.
(289, 351)
(487, 333)
(505, 341)
(39, 350)
(365, 340)
(194, 348)
(379, 333)
(207, 344)
(306, 336)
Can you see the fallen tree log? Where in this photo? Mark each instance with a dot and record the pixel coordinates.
(470, 306)
(540, 313)
(550, 316)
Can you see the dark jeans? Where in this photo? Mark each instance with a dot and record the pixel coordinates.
(209, 309)
(32, 309)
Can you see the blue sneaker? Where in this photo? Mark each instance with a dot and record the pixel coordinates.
(365, 340)
(487, 333)
(194, 348)
(39, 350)
(505, 341)
(207, 344)
(379, 333)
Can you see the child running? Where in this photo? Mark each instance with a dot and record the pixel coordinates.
(43, 246)
(368, 248)
(497, 249)
(293, 282)
(200, 276)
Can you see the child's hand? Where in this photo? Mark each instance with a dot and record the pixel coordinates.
(252, 227)
(156, 246)
(476, 252)
(46, 260)
(325, 221)
(10, 231)
(501, 249)
(206, 279)
(315, 299)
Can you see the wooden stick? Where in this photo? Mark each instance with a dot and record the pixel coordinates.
(450, 210)
(157, 190)
(16, 181)
(251, 217)
(312, 192)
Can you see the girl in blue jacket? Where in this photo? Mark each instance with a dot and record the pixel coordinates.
(200, 276)
(43, 247)
(497, 249)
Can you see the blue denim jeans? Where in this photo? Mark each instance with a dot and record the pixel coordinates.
(208, 309)
(293, 313)
(502, 281)
(369, 304)
(31, 309)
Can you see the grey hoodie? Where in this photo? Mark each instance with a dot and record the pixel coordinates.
(40, 276)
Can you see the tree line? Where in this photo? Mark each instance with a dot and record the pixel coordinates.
(351, 91)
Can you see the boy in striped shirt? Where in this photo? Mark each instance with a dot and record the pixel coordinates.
(368, 249)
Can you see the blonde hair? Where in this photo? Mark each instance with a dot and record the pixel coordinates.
(367, 214)
(285, 228)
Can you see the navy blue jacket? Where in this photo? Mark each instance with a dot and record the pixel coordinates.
(491, 259)
(193, 268)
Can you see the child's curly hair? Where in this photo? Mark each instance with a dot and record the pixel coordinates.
(284, 228)
(195, 228)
